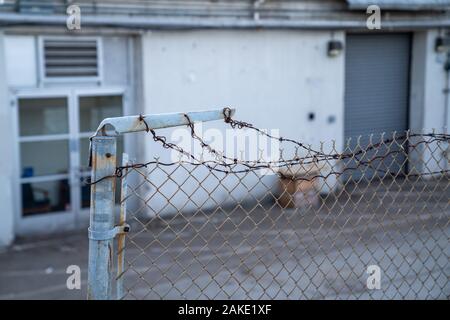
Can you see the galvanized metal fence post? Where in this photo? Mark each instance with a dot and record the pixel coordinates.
(121, 237)
(103, 162)
(101, 229)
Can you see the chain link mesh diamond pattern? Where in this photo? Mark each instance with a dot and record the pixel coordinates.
(309, 233)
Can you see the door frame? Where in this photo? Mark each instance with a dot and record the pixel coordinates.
(89, 92)
(77, 217)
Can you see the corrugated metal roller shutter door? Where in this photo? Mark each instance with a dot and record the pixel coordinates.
(377, 88)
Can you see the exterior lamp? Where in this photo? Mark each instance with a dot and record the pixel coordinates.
(335, 48)
(442, 44)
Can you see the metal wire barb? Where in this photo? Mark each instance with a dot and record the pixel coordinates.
(314, 155)
(300, 227)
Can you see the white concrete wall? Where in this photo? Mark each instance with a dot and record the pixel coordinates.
(6, 151)
(19, 72)
(273, 79)
(21, 68)
(428, 102)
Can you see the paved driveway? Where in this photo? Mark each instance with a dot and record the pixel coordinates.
(264, 251)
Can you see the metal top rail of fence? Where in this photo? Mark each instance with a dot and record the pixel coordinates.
(366, 220)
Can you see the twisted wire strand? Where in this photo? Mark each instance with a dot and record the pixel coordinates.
(228, 165)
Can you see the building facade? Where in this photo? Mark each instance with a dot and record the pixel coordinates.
(312, 69)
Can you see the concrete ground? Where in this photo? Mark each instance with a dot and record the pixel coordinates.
(35, 268)
(264, 251)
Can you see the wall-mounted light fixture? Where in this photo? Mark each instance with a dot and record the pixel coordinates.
(442, 44)
(335, 48)
(439, 45)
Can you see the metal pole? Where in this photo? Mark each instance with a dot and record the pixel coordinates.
(103, 162)
(101, 218)
(121, 237)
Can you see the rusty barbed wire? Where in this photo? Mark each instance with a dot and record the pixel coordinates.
(235, 235)
(227, 165)
(215, 227)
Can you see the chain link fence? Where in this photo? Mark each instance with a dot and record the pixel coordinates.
(369, 222)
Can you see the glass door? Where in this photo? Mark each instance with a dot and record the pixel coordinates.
(92, 109)
(53, 152)
(44, 138)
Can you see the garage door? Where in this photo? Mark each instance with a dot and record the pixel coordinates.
(377, 89)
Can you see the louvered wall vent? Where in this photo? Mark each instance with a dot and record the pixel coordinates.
(70, 58)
